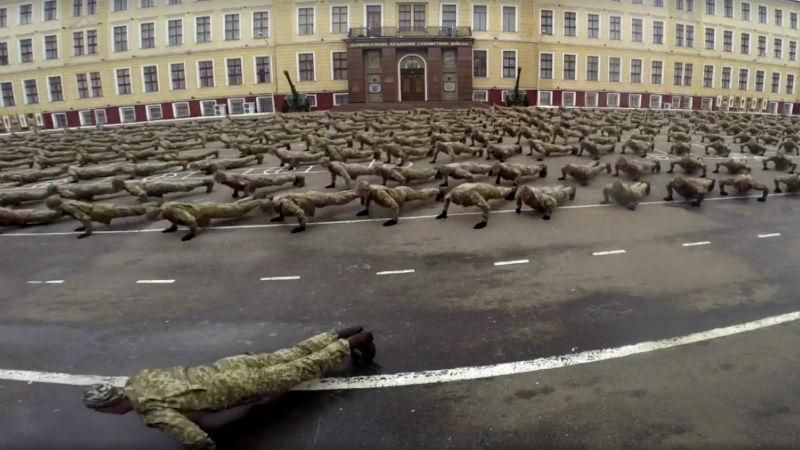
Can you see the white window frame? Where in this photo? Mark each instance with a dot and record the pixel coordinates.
(707, 104)
(638, 102)
(255, 68)
(210, 26)
(185, 76)
(483, 98)
(166, 31)
(314, 18)
(97, 116)
(203, 107)
(83, 121)
(654, 98)
(593, 95)
(599, 25)
(149, 115)
(330, 15)
(50, 93)
(599, 69)
(552, 68)
(673, 102)
(485, 50)
(738, 78)
(258, 104)
(615, 96)
(23, 120)
(44, 47)
(577, 23)
(570, 94)
(664, 32)
(339, 103)
(155, 37)
(175, 110)
(502, 55)
(721, 73)
(549, 97)
(312, 100)
(44, 18)
(563, 64)
(158, 78)
(441, 14)
(227, 74)
(25, 92)
(54, 121)
(332, 52)
(122, 114)
(788, 108)
(687, 99)
(297, 66)
(229, 103)
(472, 17)
(516, 18)
(663, 69)
(197, 72)
(713, 76)
(642, 76)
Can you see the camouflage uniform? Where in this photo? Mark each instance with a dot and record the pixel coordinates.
(163, 397)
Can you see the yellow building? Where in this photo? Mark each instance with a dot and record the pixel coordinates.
(82, 62)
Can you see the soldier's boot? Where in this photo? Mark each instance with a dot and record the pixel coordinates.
(298, 229)
(172, 228)
(260, 159)
(276, 219)
(572, 193)
(390, 222)
(363, 213)
(209, 184)
(362, 347)
(348, 332)
(188, 236)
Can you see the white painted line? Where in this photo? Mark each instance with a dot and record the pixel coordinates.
(768, 235)
(293, 277)
(155, 281)
(456, 374)
(33, 282)
(609, 252)
(394, 272)
(46, 282)
(508, 263)
(695, 244)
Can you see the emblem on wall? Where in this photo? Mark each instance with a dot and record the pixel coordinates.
(374, 88)
(449, 86)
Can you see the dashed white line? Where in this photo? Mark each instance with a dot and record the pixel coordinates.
(768, 235)
(287, 278)
(394, 272)
(155, 281)
(696, 244)
(609, 252)
(508, 263)
(45, 282)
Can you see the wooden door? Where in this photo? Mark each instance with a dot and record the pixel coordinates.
(413, 85)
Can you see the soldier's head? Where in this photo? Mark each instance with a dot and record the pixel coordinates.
(361, 187)
(51, 189)
(220, 177)
(53, 202)
(299, 181)
(326, 161)
(118, 184)
(107, 398)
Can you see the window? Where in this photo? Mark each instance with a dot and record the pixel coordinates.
(480, 95)
(727, 41)
(50, 10)
(77, 43)
(657, 70)
(729, 9)
(687, 102)
(743, 73)
(707, 104)
(509, 19)
(91, 42)
(339, 65)
(150, 78)
(690, 36)
(411, 17)
(570, 61)
(261, 22)
(710, 7)
(636, 70)
(636, 30)
(690, 5)
(509, 64)
(614, 67)
(127, 114)
(177, 76)
(570, 23)
(591, 99)
(232, 27)
(59, 120)
(726, 78)
(745, 37)
(778, 48)
(91, 9)
(97, 85)
(759, 81)
(655, 102)
(154, 112)
(56, 92)
(26, 50)
(479, 63)
(121, 38)
(678, 77)
(202, 26)
(180, 110)
(545, 98)
(708, 76)
(305, 66)
(658, 32)
(83, 85)
(174, 2)
(51, 47)
(148, 35)
(147, 3)
(449, 16)
(634, 100)
(790, 83)
(745, 11)
(546, 66)
(592, 68)
(792, 50)
(762, 46)
(547, 22)
(687, 75)
(594, 26)
(87, 118)
(710, 35)
(312, 100)
(612, 100)
(479, 18)
(100, 117)
(776, 82)
(174, 32)
(205, 71)
(615, 28)
(762, 14)
(305, 20)
(793, 20)
(658, 3)
(25, 14)
(263, 70)
(8, 94)
(679, 35)
(123, 81)
(120, 5)
(267, 104)
(3, 17)
(234, 70)
(31, 93)
(778, 18)
(568, 99)
(3, 53)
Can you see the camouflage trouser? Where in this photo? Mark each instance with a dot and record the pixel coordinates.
(272, 373)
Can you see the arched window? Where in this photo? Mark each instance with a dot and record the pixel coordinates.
(412, 62)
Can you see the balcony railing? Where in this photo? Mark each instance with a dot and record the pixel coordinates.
(382, 32)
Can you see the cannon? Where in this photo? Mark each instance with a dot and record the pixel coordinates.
(517, 97)
(296, 102)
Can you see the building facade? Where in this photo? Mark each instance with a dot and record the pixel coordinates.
(84, 62)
